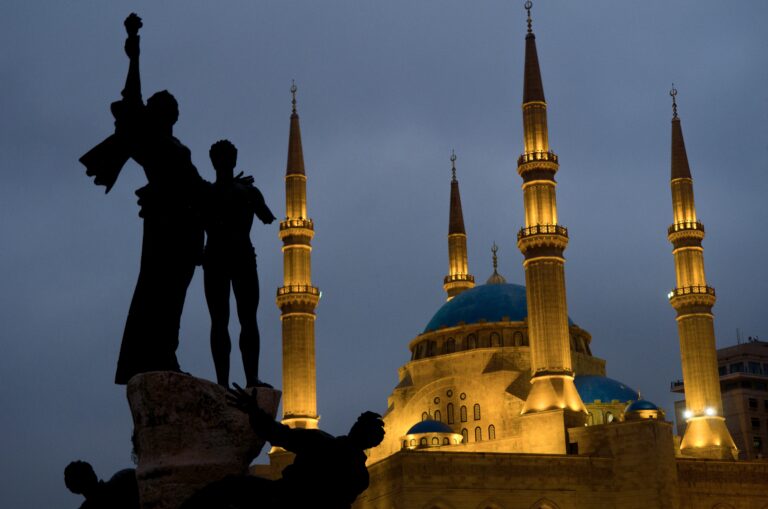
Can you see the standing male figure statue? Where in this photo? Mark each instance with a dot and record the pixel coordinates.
(229, 258)
(173, 234)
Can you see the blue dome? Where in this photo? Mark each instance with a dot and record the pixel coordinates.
(594, 387)
(486, 302)
(642, 404)
(429, 426)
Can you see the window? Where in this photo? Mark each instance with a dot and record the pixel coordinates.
(450, 413)
(471, 342)
(754, 367)
(478, 434)
(722, 370)
(423, 441)
(752, 402)
(517, 338)
(755, 423)
(424, 416)
(760, 386)
(495, 339)
(737, 367)
(413, 442)
(463, 411)
(491, 432)
(590, 419)
(435, 441)
(477, 412)
(446, 441)
(465, 435)
(438, 415)
(405, 444)
(450, 345)
(608, 417)
(757, 443)
(431, 347)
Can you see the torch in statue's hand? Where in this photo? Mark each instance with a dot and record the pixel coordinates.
(132, 24)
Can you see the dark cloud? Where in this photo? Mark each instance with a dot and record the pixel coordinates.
(386, 89)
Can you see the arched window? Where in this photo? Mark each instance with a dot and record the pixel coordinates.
(590, 419)
(471, 342)
(478, 434)
(477, 411)
(450, 413)
(463, 412)
(450, 345)
(413, 442)
(438, 415)
(608, 417)
(435, 441)
(405, 444)
(420, 350)
(517, 338)
(485, 341)
(423, 441)
(465, 435)
(491, 432)
(431, 347)
(495, 339)
(424, 416)
(446, 441)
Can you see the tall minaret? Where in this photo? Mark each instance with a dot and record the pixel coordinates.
(542, 242)
(297, 298)
(706, 434)
(458, 278)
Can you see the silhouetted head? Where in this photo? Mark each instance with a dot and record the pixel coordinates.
(162, 109)
(224, 158)
(80, 478)
(368, 431)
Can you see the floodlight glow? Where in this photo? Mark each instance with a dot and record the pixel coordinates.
(709, 411)
(687, 414)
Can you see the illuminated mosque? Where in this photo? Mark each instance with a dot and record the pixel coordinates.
(502, 404)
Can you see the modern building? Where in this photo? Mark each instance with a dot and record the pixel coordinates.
(743, 372)
(503, 404)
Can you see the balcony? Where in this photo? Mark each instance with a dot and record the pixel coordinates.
(531, 157)
(685, 226)
(285, 290)
(296, 223)
(458, 277)
(692, 290)
(542, 229)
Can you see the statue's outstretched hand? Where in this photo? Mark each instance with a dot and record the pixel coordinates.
(261, 421)
(244, 180)
(132, 24)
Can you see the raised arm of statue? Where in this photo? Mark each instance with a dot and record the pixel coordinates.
(132, 90)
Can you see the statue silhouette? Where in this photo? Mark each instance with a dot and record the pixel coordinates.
(170, 207)
(327, 471)
(229, 259)
(120, 492)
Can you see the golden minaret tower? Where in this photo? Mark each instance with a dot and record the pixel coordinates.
(458, 278)
(706, 434)
(297, 298)
(542, 242)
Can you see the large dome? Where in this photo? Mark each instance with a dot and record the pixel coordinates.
(489, 303)
(595, 387)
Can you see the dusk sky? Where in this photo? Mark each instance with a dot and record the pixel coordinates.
(385, 91)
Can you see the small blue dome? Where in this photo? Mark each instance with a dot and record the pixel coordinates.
(594, 387)
(429, 426)
(642, 404)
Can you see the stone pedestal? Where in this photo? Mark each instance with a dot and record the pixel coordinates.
(186, 436)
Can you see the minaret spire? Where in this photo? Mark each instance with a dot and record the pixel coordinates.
(706, 434)
(297, 298)
(542, 242)
(496, 278)
(458, 278)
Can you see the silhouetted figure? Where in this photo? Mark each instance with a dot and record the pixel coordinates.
(120, 492)
(327, 472)
(173, 233)
(229, 259)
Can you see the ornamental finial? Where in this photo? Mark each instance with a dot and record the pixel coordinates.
(528, 4)
(494, 250)
(453, 165)
(672, 94)
(293, 95)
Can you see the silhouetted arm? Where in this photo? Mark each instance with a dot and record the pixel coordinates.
(132, 91)
(260, 206)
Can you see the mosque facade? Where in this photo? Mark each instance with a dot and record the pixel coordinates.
(502, 404)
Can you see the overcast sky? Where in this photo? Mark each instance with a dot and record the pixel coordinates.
(386, 90)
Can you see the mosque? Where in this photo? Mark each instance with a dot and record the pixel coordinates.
(502, 404)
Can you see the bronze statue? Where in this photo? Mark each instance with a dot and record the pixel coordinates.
(327, 471)
(120, 492)
(170, 208)
(229, 259)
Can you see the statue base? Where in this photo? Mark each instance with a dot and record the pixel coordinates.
(187, 436)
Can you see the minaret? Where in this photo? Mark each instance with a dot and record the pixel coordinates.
(706, 434)
(297, 298)
(542, 242)
(458, 278)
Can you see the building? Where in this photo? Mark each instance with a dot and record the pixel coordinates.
(502, 404)
(743, 371)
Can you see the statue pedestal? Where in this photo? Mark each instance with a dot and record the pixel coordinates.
(186, 436)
